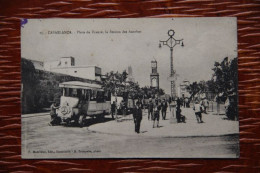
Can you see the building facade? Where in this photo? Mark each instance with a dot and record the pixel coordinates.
(66, 65)
(182, 90)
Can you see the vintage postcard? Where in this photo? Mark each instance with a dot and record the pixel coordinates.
(129, 88)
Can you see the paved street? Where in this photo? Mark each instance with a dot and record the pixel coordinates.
(111, 138)
(214, 125)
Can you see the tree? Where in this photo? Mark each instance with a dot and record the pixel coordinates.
(225, 77)
(115, 83)
(28, 73)
(193, 89)
(29, 82)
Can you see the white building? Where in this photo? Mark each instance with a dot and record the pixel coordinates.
(63, 62)
(86, 72)
(182, 90)
(66, 65)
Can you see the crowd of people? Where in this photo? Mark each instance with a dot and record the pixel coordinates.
(154, 110)
(157, 108)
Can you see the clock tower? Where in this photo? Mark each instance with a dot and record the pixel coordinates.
(154, 76)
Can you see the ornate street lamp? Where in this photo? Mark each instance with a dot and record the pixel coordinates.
(171, 42)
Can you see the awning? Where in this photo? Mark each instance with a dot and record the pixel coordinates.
(80, 85)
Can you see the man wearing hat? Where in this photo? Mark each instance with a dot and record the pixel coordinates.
(150, 109)
(137, 114)
(156, 116)
(113, 109)
(164, 106)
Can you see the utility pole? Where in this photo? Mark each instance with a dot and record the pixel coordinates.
(171, 42)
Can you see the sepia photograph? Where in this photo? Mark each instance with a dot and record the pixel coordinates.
(129, 88)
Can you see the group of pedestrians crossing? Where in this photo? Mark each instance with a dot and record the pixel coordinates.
(154, 109)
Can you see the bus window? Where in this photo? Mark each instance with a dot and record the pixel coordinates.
(67, 92)
(70, 92)
(74, 92)
(79, 93)
(85, 94)
(93, 95)
(88, 94)
(100, 96)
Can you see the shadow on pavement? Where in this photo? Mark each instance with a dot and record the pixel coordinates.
(93, 121)
(159, 126)
(90, 121)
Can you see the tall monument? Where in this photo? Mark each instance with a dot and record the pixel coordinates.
(154, 76)
(130, 76)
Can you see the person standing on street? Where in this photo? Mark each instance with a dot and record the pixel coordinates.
(156, 116)
(150, 109)
(55, 120)
(178, 110)
(172, 106)
(186, 100)
(123, 107)
(164, 109)
(198, 109)
(205, 103)
(113, 109)
(137, 115)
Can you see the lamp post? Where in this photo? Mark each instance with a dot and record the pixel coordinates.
(171, 42)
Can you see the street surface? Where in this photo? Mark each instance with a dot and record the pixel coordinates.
(117, 139)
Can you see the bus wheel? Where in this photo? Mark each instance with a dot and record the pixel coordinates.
(81, 120)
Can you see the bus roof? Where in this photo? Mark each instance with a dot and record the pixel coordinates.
(80, 85)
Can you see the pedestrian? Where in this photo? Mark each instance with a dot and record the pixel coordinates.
(178, 110)
(182, 118)
(137, 115)
(113, 109)
(182, 101)
(205, 104)
(55, 120)
(123, 107)
(172, 106)
(186, 102)
(164, 107)
(150, 109)
(156, 116)
(198, 109)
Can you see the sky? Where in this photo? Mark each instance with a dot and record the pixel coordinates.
(206, 40)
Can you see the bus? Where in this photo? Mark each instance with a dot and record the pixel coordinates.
(81, 99)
